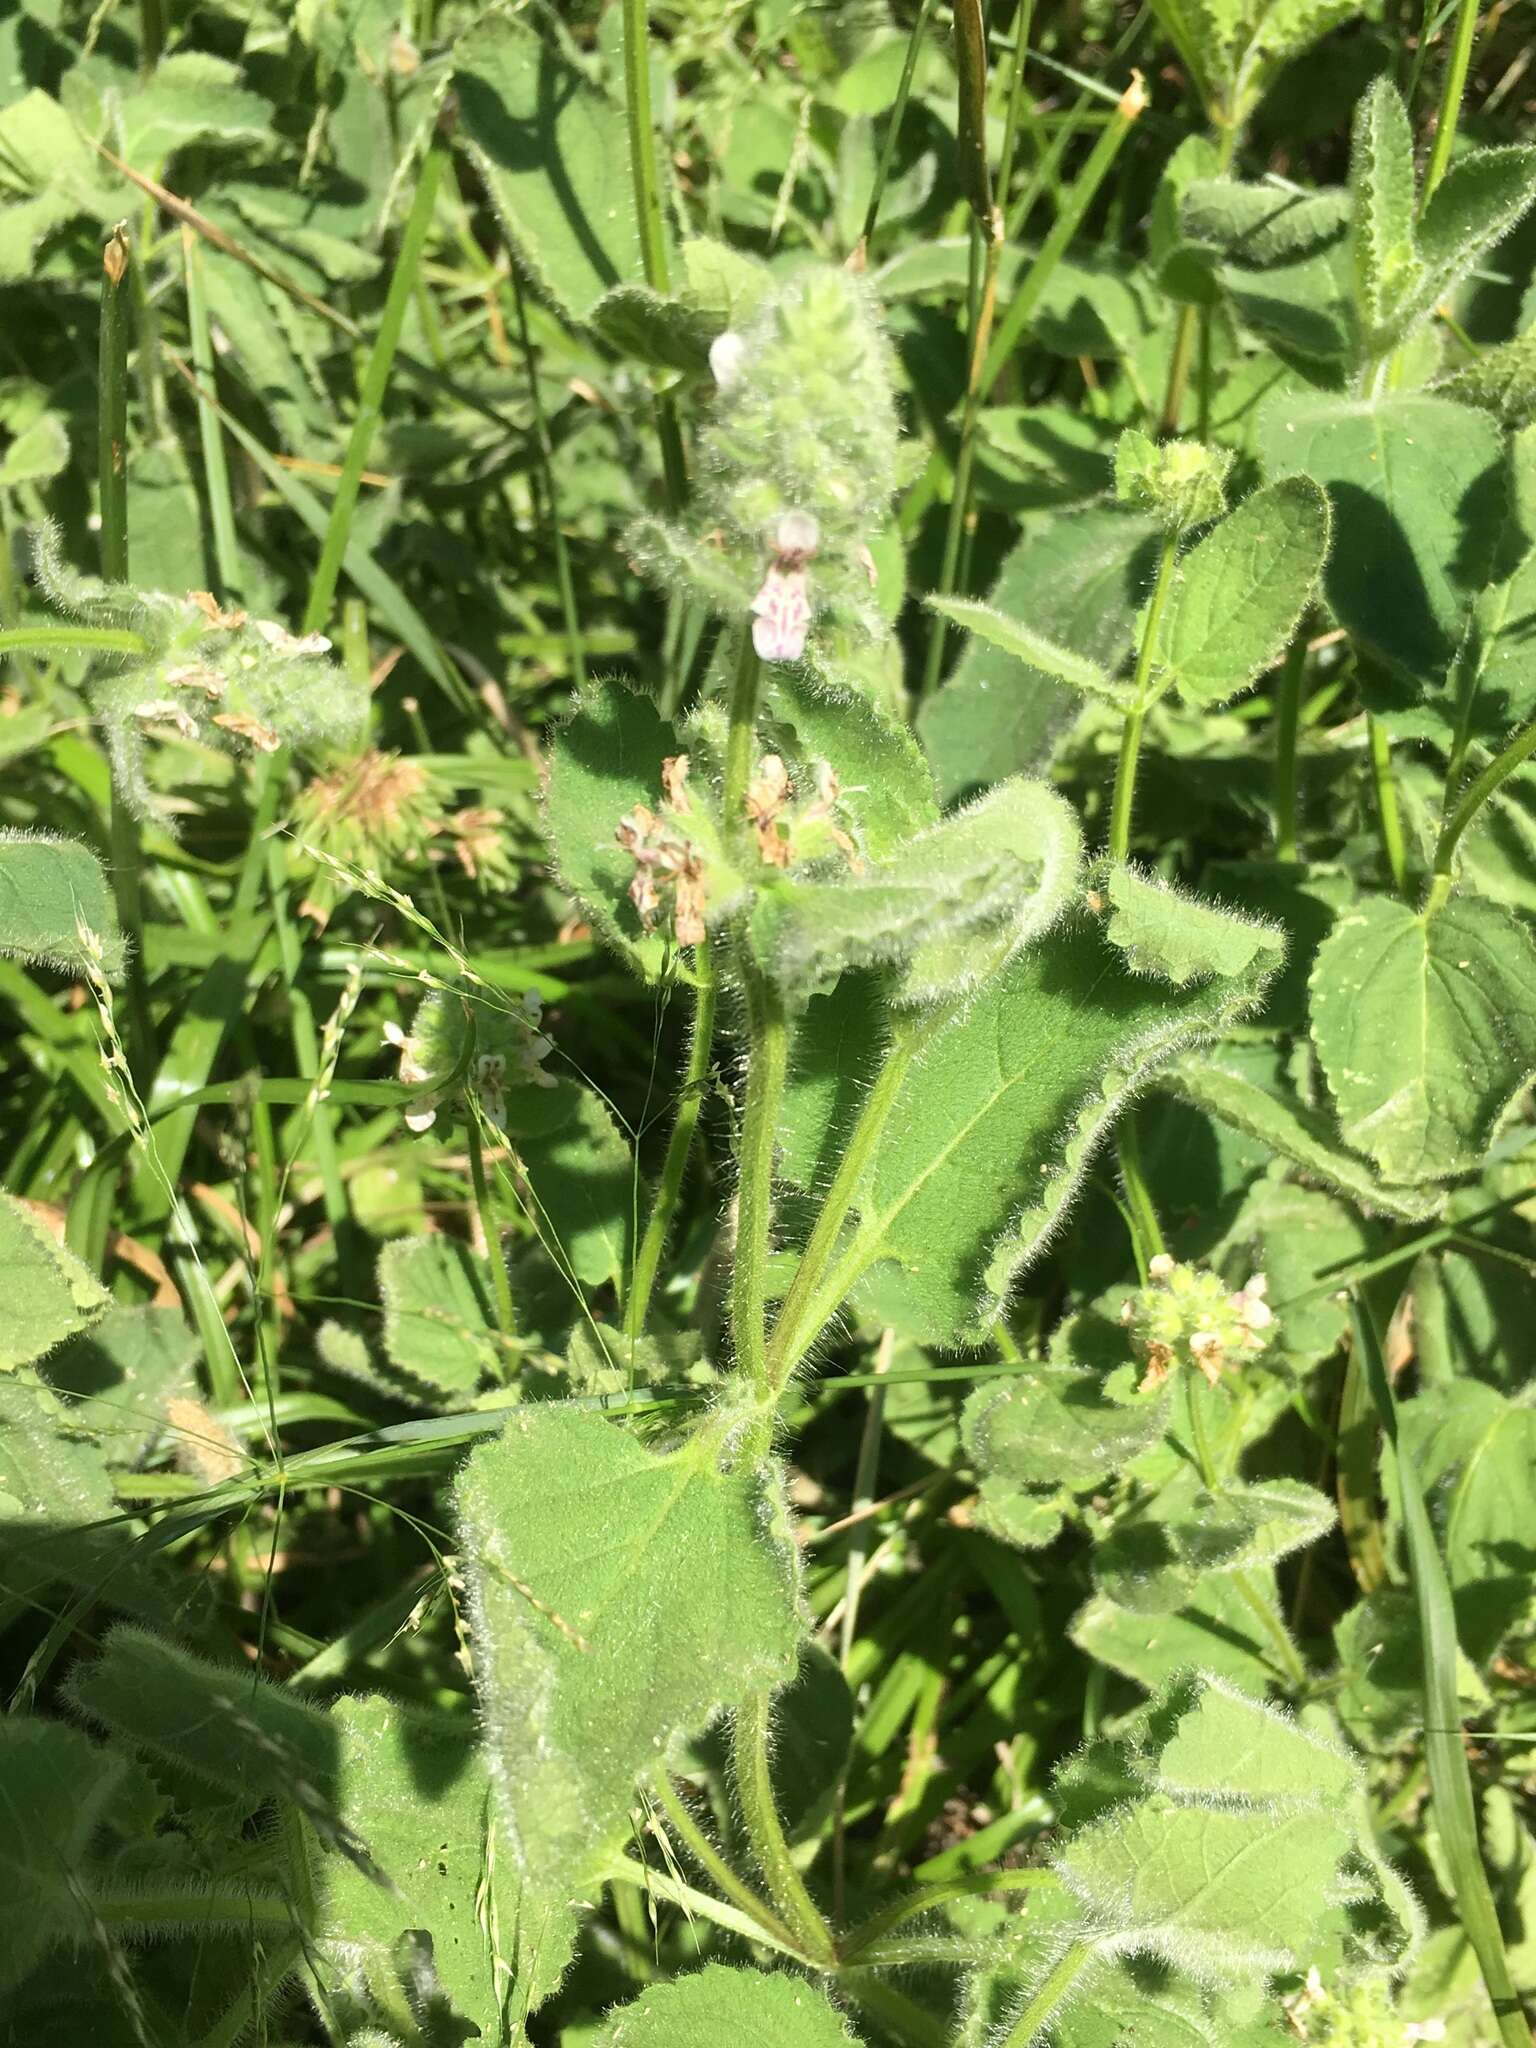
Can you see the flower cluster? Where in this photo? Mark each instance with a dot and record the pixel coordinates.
(1182, 483)
(797, 467)
(670, 876)
(509, 1050)
(1361, 2017)
(379, 810)
(787, 834)
(1186, 1316)
(204, 674)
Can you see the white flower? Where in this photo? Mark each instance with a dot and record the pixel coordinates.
(726, 353)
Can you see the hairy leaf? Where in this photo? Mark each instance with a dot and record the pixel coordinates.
(1015, 637)
(1180, 939)
(620, 1599)
(718, 2004)
(1242, 589)
(606, 759)
(1079, 580)
(1388, 270)
(1418, 500)
(1501, 381)
(1426, 1029)
(121, 1372)
(54, 1784)
(437, 1319)
(554, 153)
(416, 1790)
(950, 908)
(49, 890)
(50, 1295)
(887, 785)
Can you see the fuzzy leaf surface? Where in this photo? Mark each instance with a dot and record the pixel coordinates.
(50, 1295)
(1180, 939)
(1079, 579)
(620, 1598)
(887, 785)
(1426, 1030)
(54, 1783)
(750, 2008)
(437, 1321)
(606, 759)
(949, 908)
(1388, 269)
(1242, 589)
(1017, 638)
(994, 1125)
(1418, 500)
(554, 153)
(49, 888)
(417, 1792)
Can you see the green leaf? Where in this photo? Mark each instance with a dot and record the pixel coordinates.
(1215, 1630)
(1474, 206)
(121, 1372)
(887, 785)
(38, 453)
(1258, 226)
(1028, 646)
(228, 1726)
(554, 153)
(951, 909)
(1032, 1435)
(716, 2004)
(1297, 1133)
(438, 1325)
(1475, 1450)
(620, 1599)
(1242, 589)
(1501, 381)
(1180, 939)
(1156, 1558)
(606, 759)
(1079, 579)
(666, 333)
(50, 889)
(581, 1174)
(416, 1789)
(1426, 1030)
(50, 1295)
(54, 1786)
(993, 1127)
(1418, 500)
(1383, 191)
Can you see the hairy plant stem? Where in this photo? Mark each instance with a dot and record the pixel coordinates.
(71, 640)
(1450, 1777)
(674, 1165)
(767, 1069)
(1388, 817)
(1498, 771)
(754, 1787)
(894, 121)
(1287, 725)
(1450, 101)
(974, 1884)
(374, 387)
(506, 1318)
(1141, 703)
(653, 227)
(112, 466)
(1045, 2001)
(792, 1333)
(709, 1859)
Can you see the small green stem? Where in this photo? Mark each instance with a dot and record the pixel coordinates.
(221, 511)
(1388, 817)
(1450, 1777)
(791, 1333)
(72, 640)
(1178, 372)
(1045, 2001)
(894, 121)
(1498, 771)
(690, 1103)
(973, 1884)
(1135, 718)
(1066, 224)
(768, 1066)
(229, 1907)
(375, 385)
(625, 1870)
(741, 739)
(709, 1859)
(754, 1786)
(1146, 1232)
(1287, 726)
(965, 462)
(490, 1227)
(1450, 101)
(543, 456)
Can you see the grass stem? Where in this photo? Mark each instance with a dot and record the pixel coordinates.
(1292, 680)
(690, 1103)
(1389, 820)
(1124, 798)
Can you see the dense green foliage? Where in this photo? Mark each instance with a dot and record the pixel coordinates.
(767, 862)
